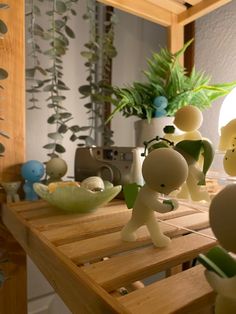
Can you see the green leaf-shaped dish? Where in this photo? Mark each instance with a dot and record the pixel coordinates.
(76, 199)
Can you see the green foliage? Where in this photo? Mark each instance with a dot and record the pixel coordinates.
(57, 35)
(98, 52)
(167, 77)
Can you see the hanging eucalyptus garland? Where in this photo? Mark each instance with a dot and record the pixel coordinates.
(99, 51)
(3, 72)
(57, 36)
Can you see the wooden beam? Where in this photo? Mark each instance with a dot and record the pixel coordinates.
(176, 37)
(199, 10)
(170, 5)
(192, 2)
(189, 56)
(143, 9)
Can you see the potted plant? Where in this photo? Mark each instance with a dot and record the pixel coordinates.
(167, 89)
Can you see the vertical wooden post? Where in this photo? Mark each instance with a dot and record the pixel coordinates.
(13, 294)
(12, 97)
(178, 35)
(175, 37)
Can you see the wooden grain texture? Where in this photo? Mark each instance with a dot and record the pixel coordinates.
(12, 101)
(183, 293)
(173, 6)
(109, 223)
(13, 293)
(200, 9)
(143, 9)
(124, 269)
(85, 289)
(109, 244)
(76, 289)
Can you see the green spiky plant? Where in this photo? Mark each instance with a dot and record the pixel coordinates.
(167, 77)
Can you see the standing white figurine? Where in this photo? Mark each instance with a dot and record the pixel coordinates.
(222, 216)
(164, 170)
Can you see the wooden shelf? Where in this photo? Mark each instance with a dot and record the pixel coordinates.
(87, 263)
(167, 12)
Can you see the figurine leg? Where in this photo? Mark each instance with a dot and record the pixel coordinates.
(9, 198)
(158, 238)
(184, 193)
(197, 192)
(16, 197)
(128, 232)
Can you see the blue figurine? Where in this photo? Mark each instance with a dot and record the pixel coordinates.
(32, 171)
(160, 103)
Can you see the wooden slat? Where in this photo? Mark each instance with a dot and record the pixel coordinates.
(64, 219)
(109, 244)
(181, 293)
(105, 224)
(143, 9)
(170, 5)
(137, 265)
(199, 10)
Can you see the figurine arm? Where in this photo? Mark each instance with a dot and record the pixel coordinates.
(224, 286)
(150, 199)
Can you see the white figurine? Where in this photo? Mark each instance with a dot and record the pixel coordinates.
(11, 189)
(222, 215)
(56, 168)
(227, 136)
(164, 170)
(188, 119)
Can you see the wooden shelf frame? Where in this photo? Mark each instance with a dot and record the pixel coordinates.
(85, 260)
(173, 14)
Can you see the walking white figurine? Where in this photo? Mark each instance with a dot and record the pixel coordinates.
(164, 170)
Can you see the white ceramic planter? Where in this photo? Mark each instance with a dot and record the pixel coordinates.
(145, 131)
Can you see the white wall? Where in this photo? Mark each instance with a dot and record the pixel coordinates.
(135, 40)
(216, 55)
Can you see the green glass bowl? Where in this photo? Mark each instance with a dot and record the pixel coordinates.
(76, 199)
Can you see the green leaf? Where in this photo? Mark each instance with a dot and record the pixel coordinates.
(75, 128)
(63, 128)
(85, 90)
(59, 24)
(69, 32)
(50, 146)
(4, 6)
(3, 74)
(3, 27)
(60, 7)
(55, 136)
(36, 10)
(60, 149)
(73, 137)
(51, 119)
(130, 193)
